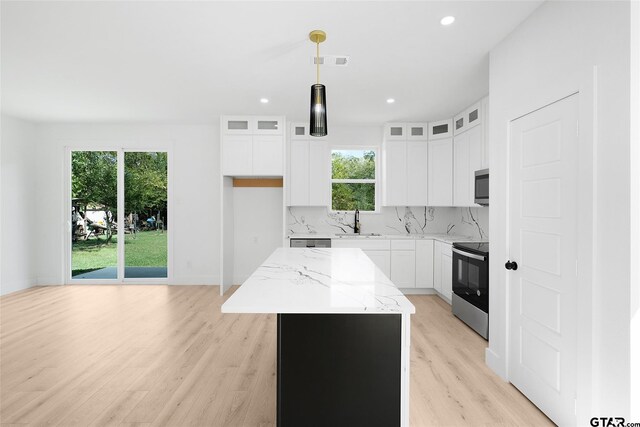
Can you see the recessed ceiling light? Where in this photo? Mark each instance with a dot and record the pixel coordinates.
(264, 100)
(447, 20)
(390, 101)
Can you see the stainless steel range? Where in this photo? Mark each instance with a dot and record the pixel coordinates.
(470, 299)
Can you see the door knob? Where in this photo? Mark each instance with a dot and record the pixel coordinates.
(511, 265)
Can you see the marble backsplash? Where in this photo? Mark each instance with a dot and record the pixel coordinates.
(472, 222)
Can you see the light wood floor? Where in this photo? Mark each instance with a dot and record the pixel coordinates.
(165, 355)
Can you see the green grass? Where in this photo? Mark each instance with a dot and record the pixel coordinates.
(148, 249)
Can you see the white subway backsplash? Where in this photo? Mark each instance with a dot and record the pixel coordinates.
(472, 222)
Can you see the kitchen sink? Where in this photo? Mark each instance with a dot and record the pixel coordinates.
(359, 235)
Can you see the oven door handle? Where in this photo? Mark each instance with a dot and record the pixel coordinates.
(467, 254)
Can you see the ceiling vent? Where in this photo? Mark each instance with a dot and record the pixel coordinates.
(332, 60)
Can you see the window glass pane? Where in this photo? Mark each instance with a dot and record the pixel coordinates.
(94, 249)
(437, 130)
(268, 124)
(238, 125)
(353, 164)
(348, 197)
(145, 210)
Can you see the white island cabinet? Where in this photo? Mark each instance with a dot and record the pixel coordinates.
(335, 309)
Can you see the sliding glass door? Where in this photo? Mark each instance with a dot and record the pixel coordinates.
(94, 195)
(119, 216)
(145, 209)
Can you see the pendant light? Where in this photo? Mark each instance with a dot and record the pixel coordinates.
(318, 114)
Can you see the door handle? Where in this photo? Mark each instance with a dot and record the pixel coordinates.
(511, 265)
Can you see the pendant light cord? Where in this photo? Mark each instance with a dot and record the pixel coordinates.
(318, 60)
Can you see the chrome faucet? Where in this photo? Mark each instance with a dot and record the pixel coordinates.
(356, 226)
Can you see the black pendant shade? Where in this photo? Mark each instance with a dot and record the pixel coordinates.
(318, 118)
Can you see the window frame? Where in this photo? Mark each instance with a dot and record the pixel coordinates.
(375, 181)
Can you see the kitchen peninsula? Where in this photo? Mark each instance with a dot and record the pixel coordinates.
(343, 336)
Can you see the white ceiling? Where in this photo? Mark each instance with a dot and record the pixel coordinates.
(190, 62)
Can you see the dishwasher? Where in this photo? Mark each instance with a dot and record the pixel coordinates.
(309, 243)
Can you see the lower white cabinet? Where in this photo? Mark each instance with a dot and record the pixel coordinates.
(447, 274)
(424, 263)
(442, 269)
(403, 268)
(408, 263)
(382, 259)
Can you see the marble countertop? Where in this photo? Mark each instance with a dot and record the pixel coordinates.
(446, 238)
(318, 280)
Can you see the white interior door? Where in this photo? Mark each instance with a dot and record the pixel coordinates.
(542, 241)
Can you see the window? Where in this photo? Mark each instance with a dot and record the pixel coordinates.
(353, 180)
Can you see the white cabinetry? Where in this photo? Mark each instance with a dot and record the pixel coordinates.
(468, 153)
(442, 271)
(403, 263)
(440, 172)
(417, 173)
(404, 160)
(382, 259)
(395, 173)
(309, 170)
(424, 263)
(441, 129)
(268, 155)
(376, 249)
(252, 146)
(237, 155)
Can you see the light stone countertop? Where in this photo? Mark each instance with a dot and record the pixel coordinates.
(318, 280)
(446, 238)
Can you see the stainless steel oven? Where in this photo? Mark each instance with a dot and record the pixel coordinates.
(470, 299)
(481, 194)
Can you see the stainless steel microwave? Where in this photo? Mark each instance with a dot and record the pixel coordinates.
(482, 187)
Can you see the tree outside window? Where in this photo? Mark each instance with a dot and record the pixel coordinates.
(353, 180)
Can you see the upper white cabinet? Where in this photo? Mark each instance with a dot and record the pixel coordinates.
(417, 173)
(395, 173)
(468, 154)
(237, 155)
(237, 125)
(309, 178)
(299, 131)
(252, 146)
(404, 161)
(470, 148)
(485, 132)
(395, 131)
(269, 126)
(441, 129)
(268, 155)
(440, 172)
(252, 125)
(469, 118)
(417, 131)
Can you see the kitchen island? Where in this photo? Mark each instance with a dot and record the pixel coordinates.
(343, 337)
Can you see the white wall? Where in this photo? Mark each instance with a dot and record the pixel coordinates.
(561, 48)
(257, 228)
(17, 205)
(194, 222)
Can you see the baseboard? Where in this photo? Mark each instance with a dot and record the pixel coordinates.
(495, 363)
(196, 280)
(16, 286)
(418, 291)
